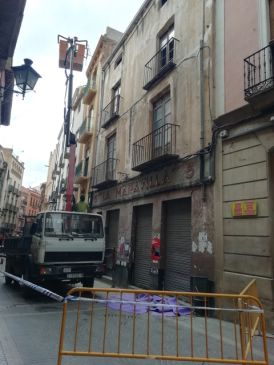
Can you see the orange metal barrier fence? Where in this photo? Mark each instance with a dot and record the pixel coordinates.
(249, 324)
(158, 325)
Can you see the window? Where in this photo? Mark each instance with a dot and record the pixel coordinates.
(116, 98)
(39, 222)
(118, 60)
(166, 43)
(111, 157)
(162, 2)
(161, 112)
(161, 142)
(90, 118)
(73, 225)
(86, 163)
(93, 79)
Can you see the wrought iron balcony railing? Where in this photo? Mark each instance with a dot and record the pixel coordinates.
(85, 130)
(63, 186)
(258, 72)
(162, 62)
(111, 111)
(155, 148)
(104, 175)
(81, 171)
(13, 208)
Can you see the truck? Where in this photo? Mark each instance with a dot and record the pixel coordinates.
(57, 246)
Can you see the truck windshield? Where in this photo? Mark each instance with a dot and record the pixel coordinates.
(73, 225)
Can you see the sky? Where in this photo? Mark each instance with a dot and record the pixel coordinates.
(36, 121)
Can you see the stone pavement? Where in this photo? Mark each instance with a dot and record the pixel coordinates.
(8, 350)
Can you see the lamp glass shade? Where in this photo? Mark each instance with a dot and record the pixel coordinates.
(32, 77)
(25, 76)
(20, 74)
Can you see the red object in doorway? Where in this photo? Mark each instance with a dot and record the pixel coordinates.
(155, 249)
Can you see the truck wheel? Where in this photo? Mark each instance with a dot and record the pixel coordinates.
(27, 292)
(88, 283)
(8, 280)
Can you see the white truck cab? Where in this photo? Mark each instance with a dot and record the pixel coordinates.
(61, 246)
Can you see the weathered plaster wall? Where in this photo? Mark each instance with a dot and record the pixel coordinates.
(247, 242)
(183, 83)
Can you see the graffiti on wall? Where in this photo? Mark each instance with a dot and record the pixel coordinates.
(123, 249)
(155, 247)
(203, 245)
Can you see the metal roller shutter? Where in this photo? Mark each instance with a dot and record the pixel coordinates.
(112, 225)
(178, 245)
(142, 277)
(111, 236)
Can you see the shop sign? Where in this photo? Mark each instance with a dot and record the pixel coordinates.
(244, 209)
(185, 173)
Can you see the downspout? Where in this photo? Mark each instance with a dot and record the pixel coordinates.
(202, 96)
(202, 102)
(101, 113)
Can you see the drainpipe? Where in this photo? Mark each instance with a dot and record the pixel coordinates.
(101, 102)
(202, 102)
(202, 96)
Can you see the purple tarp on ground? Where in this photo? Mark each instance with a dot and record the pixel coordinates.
(142, 303)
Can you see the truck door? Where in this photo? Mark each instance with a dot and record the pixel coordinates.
(37, 238)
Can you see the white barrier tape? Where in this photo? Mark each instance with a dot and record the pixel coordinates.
(71, 298)
(35, 287)
(251, 309)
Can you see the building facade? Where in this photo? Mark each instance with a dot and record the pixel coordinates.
(181, 150)
(32, 201)
(244, 138)
(152, 180)
(86, 106)
(11, 182)
(11, 15)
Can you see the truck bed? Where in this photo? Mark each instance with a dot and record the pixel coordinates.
(16, 246)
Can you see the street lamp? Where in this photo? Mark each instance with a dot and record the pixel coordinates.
(25, 78)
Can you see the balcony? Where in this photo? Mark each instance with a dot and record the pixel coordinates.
(155, 149)
(160, 64)
(85, 131)
(13, 208)
(259, 78)
(61, 162)
(111, 111)
(53, 197)
(104, 175)
(81, 172)
(89, 92)
(63, 186)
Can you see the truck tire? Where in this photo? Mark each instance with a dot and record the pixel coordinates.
(8, 280)
(88, 282)
(26, 291)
